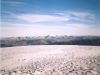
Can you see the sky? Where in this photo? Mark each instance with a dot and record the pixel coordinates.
(50, 17)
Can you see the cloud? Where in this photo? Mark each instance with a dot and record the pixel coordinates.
(58, 17)
(82, 16)
(55, 24)
(42, 30)
(42, 18)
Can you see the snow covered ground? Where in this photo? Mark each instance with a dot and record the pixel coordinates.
(50, 60)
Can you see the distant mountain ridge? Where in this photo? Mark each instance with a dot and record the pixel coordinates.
(50, 40)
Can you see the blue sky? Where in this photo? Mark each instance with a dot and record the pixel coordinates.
(50, 17)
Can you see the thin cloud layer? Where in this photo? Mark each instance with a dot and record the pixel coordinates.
(49, 17)
(82, 16)
(56, 24)
(43, 30)
(42, 18)
(77, 16)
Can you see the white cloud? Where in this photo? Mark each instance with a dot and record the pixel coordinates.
(79, 15)
(82, 14)
(42, 18)
(42, 30)
(58, 17)
(41, 24)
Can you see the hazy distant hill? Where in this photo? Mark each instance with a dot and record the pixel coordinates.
(51, 40)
